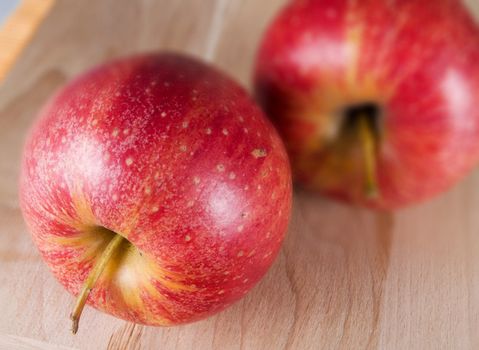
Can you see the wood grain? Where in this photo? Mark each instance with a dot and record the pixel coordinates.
(18, 30)
(21, 343)
(346, 278)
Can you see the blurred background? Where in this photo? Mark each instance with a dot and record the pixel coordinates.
(346, 277)
(6, 7)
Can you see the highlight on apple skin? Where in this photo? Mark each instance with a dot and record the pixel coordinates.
(155, 189)
(376, 100)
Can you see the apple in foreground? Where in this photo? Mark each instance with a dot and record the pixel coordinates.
(376, 100)
(155, 190)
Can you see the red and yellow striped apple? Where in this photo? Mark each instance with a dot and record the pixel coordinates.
(155, 190)
(376, 100)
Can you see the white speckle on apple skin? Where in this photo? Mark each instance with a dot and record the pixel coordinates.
(259, 153)
(143, 159)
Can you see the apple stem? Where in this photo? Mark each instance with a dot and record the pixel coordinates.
(95, 273)
(368, 143)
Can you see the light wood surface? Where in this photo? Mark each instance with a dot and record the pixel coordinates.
(19, 29)
(345, 279)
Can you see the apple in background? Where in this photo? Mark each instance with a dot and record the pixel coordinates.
(155, 190)
(376, 100)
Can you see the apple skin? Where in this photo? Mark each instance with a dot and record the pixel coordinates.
(416, 60)
(174, 156)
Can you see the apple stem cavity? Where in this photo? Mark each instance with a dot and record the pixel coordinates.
(368, 143)
(95, 273)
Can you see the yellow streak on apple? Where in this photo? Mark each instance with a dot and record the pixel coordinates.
(354, 37)
(129, 270)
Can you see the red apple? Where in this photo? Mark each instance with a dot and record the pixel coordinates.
(156, 183)
(376, 100)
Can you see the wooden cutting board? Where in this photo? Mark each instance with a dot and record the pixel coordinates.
(346, 278)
